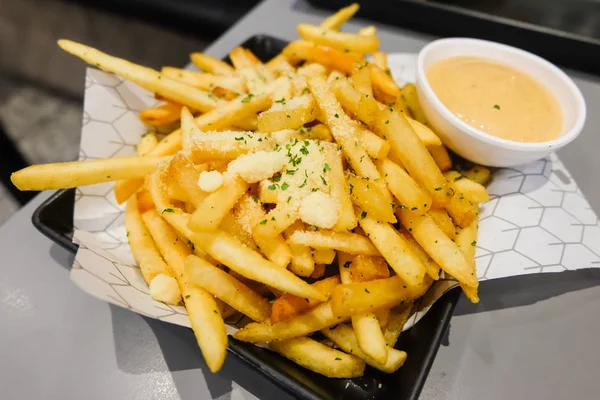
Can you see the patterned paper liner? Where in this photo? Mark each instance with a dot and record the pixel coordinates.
(537, 219)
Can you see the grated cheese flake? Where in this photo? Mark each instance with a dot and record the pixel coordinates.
(209, 181)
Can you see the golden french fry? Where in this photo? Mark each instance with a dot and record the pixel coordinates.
(367, 195)
(462, 211)
(203, 80)
(312, 320)
(339, 40)
(147, 78)
(146, 144)
(142, 246)
(369, 337)
(409, 94)
(466, 240)
(375, 146)
(345, 339)
(213, 209)
(427, 136)
(327, 56)
(413, 154)
(81, 173)
(473, 191)
(347, 242)
(440, 156)
(144, 201)
(367, 268)
(384, 82)
(394, 249)
(188, 128)
(443, 221)
(276, 221)
(396, 323)
(303, 263)
(279, 65)
(335, 21)
(441, 248)
(225, 287)
(368, 30)
(380, 59)
(288, 305)
(324, 256)
(478, 174)
(340, 191)
(183, 172)
(249, 212)
(403, 186)
(357, 297)
(289, 114)
(211, 64)
(319, 358)
(216, 146)
(161, 115)
(431, 267)
(361, 80)
(207, 322)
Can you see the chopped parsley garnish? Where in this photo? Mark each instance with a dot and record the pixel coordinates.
(474, 243)
(323, 180)
(363, 215)
(496, 106)
(168, 210)
(272, 187)
(458, 178)
(280, 101)
(367, 290)
(326, 167)
(277, 178)
(247, 98)
(336, 115)
(437, 189)
(347, 264)
(264, 221)
(291, 171)
(284, 186)
(351, 188)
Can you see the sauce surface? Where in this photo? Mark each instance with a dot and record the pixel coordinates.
(496, 99)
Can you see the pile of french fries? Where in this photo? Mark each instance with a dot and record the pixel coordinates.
(306, 193)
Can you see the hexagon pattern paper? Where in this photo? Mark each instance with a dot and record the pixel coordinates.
(537, 219)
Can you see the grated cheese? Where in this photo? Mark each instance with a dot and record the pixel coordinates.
(209, 181)
(256, 167)
(320, 210)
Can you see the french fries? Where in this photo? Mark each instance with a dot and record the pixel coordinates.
(273, 172)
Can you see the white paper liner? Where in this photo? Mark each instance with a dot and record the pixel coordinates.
(537, 219)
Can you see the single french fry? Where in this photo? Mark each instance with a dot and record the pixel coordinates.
(207, 322)
(439, 246)
(431, 267)
(225, 287)
(339, 40)
(249, 212)
(185, 174)
(347, 242)
(319, 358)
(147, 78)
(336, 20)
(142, 246)
(478, 174)
(367, 195)
(368, 30)
(81, 173)
(428, 137)
(409, 94)
(161, 115)
(279, 65)
(396, 323)
(213, 209)
(403, 186)
(361, 80)
(340, 191)
(303, 263)
(346, 339)
(473, 191)
(327, 56)
(289, 114)
(211, 64)
(368, 268)
(324, 256)
(205, 81)
(146, 144)
(312, 320)
(227, 145)
(188, 128)
(414, 155)
(358, 297)
(380, 59)
(241, 59)
(384, 82)
(289, 305)
(466, 240)
(440, 156)
(276, 221)
(443, 221)
(462, 211)
(375, 146)
(394, 249)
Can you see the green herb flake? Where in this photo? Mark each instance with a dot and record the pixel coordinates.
(363, 215)
(387, 121)
(458, 178)
(474, 243)
(272, 187)
(247, 98)
(168, 210)
(336, 115)
(326, 167)
(437, 189)
(264, 221)
(188, 296)
(284, 186)
(367, 291)
(338, 359)
(496, 106)
(280, 101)
(347, 264)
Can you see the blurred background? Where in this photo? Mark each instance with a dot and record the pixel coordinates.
(41, 87)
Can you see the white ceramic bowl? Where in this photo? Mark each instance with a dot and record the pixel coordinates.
(478, 146)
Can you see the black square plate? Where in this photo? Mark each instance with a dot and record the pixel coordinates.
(54, 218)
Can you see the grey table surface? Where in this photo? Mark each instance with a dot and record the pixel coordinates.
(534, 338)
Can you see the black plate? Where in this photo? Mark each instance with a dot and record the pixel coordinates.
(54, 218)
(566, 32)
